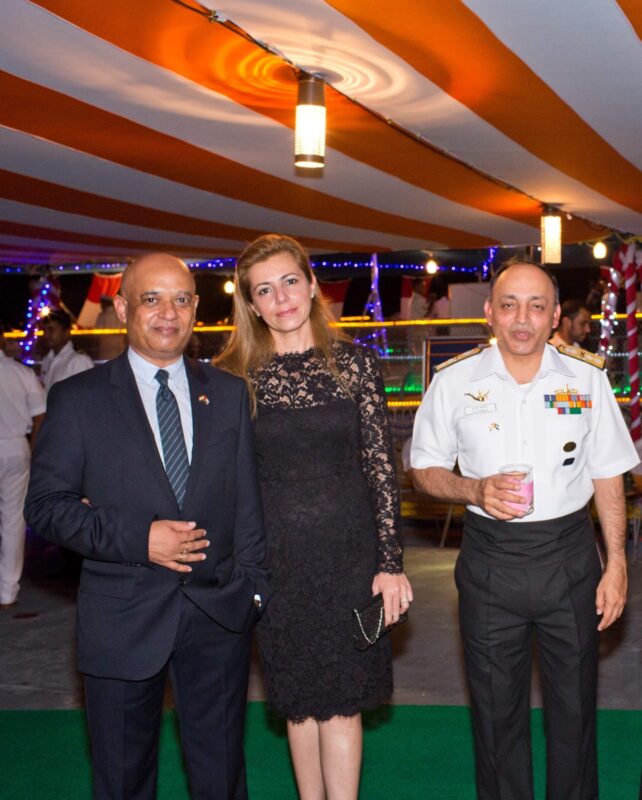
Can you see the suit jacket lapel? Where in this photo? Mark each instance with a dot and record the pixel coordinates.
(128, 402)
(201, 397)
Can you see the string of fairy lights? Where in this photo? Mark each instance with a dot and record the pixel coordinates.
(228, 265)
(37, 307)
(608, 322)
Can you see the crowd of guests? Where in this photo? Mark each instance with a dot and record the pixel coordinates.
(206, 498)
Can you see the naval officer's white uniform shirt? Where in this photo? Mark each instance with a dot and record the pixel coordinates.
(21, 399)
(565, 422)
(58, 366)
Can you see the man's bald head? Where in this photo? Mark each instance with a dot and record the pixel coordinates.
(518, 261)
(151, 262)
(157, 301)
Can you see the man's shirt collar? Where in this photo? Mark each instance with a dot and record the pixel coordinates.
(492, 363)
(145, 371)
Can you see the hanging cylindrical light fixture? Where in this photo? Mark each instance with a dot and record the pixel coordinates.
(309, 134)
(551, 237)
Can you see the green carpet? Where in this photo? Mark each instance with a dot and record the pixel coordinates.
(409, 752)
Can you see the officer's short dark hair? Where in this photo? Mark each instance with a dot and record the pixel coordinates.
(571, 308)
(60, 316)
(523, 260)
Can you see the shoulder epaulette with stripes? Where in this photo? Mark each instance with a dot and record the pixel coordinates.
(582, 355)
(461, 357)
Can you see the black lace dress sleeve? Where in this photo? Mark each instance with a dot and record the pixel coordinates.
(378, 462)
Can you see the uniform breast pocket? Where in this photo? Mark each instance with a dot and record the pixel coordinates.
(480, 442)
(565, 435)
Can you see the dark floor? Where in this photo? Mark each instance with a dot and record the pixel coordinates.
(37, 636)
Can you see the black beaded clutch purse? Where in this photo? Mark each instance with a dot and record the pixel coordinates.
(368, 623)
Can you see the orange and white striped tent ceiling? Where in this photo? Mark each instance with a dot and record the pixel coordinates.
(136, 125)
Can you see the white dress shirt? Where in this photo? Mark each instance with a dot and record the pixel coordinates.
(58, 366)
(21, 398)
(144, 372)
(475, 413)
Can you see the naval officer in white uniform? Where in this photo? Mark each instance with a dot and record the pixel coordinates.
(62, 359)
(522, 400)
(22, 406)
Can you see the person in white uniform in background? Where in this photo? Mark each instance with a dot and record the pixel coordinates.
(62, 361)
(574, 325)
(521, 574)
(22, 405)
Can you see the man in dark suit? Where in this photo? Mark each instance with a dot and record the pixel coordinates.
(145, 466)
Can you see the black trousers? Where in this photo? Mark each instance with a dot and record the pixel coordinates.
(209, 669)
(502, 604)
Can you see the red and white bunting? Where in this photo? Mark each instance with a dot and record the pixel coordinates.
(101, 286)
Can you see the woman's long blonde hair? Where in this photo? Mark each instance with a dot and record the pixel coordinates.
(251, 346)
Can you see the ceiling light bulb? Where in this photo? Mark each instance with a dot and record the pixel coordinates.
(599, 250)
(309, 132)
(431, 266)
(551, 238)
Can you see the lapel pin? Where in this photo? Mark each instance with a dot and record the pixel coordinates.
(203, 398)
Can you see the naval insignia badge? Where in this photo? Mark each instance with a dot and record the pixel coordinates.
(203, 398)
(568, 401)
(480, 397)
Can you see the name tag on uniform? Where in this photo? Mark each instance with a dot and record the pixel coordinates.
(486, 408)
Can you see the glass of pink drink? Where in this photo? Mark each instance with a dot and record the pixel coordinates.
(524, 474)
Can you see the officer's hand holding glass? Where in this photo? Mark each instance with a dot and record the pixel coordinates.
(508, 494)
(522, 474)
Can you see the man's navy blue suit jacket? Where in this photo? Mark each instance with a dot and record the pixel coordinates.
(96, 443)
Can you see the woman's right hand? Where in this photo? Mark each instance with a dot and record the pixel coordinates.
(397, 594)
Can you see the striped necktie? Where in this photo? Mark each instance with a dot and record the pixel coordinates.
(172, 440)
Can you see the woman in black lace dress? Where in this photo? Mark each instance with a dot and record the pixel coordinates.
(331, 511)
